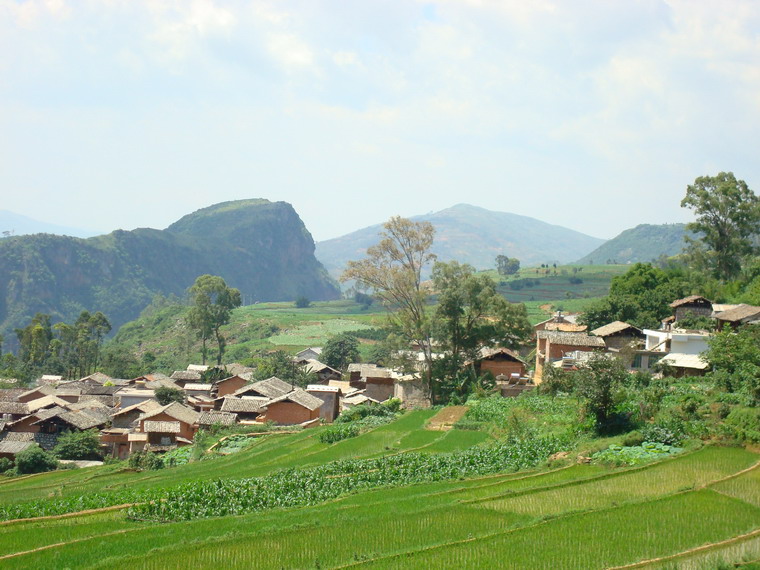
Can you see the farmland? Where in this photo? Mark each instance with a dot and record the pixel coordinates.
(162, 328)
(401, 496)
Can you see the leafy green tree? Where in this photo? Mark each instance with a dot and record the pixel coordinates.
(340, 351)
(363, 299)
(35, 460)
(735, 361)
(34, 340)
(470, 315)
(507, 265)
(640, 297)
(727, 217)
(118, 362)
(302, 302)
(392, 270)
(282, 365)
(166, 395)
(212, 303)
(598, 383)
(79, 445)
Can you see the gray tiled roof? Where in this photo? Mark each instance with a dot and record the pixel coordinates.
(571, 338)
(243, 405)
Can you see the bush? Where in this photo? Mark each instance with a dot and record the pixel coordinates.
(302, 302)
(633, 439)
(35, 460)
(744, 424)
(338, 432)
(5, 464)
(670, 432)
(79, 445)
(364, 410)
(145, 460)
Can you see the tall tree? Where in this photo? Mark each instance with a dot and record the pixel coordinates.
(392, 269)
(470, 315)
(34, 340)
(728, 216)
(212, 303)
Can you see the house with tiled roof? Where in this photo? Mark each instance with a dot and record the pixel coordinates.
(295, 407)
(165, 428)
(737, 316)
(554, 346)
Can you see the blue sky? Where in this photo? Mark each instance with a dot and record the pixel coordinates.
(590, 114)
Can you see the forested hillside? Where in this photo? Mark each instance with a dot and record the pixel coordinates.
(645, 242)
(260, 247)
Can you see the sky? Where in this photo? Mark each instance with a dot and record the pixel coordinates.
(594, 115)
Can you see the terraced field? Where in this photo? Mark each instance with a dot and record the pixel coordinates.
(695, 510)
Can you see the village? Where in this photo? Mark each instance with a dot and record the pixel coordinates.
(130, 418)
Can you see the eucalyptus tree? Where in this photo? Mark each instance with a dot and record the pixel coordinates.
(212, 303)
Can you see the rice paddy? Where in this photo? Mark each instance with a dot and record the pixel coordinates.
(699, 509)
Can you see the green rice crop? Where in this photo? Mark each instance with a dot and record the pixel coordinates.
(597, 539)
(745, 487)
(407, 520)
(670, 476)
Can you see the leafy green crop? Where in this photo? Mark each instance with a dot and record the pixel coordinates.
(635, 455)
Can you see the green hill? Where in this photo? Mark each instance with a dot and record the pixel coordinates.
(645, 242)
(258, 246)
(473, 235)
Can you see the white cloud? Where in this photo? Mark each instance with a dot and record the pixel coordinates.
(564, 111)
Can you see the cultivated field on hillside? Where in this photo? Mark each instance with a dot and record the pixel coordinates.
(693, 510)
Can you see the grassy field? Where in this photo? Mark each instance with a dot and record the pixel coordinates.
(561, 283)
(695, 510)
(163, 330)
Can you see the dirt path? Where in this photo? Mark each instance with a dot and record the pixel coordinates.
(69, 515)
(446, 418)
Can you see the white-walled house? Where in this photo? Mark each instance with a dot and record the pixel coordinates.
(679, 348)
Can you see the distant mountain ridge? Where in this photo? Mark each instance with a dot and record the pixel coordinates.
(258, 246)
(645, 242)
(12, 224)
(473, 235)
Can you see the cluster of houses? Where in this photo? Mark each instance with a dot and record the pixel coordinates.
(130, 418)
(561, 342)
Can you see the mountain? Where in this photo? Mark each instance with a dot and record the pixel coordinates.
(473, 235)
(260, 247)
(645, 242)
(12, 224)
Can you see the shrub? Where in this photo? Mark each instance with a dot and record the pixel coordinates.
(35, 460)
(145, 460)
(302, 302)
(338, 432)
(5, 464)
(633, 439)
(364, 410)
(79, 445)
(744, 424)
(671, 432)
